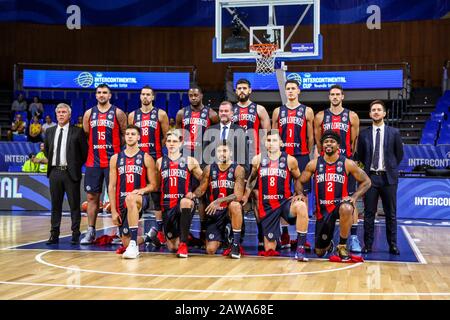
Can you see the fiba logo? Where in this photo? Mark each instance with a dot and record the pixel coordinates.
(295, 76)
(84, 80)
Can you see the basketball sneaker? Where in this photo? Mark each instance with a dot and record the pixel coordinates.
(182, 250)
(89, 236)
(235, 251)
(285, 241)
(300, 254)
(353, 244)
(132, 251)
(343, 252)
(152, 237)
(161, 238)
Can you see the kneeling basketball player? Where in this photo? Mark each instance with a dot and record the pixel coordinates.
(331, 175)
(223, 182)
(131, 178)
(274, 172)
(175, 173)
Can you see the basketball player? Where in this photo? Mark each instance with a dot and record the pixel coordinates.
(131, 177)
(295, 124)
(194, 120)
(154, 124)
(104, 125)
(331, 175)
(177, 200)
(274, 172)
(223, 182)
(253, 118)
(345, 123)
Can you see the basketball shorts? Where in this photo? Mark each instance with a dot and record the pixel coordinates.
(124, 228)
(271, 222)
(215, 225)
(302, 162)
(93, 179)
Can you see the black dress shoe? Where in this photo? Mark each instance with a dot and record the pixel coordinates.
(75, 238)
(394, 250)
(53, 240)
(367, 249)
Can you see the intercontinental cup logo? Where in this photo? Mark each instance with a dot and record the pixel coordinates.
(84, 80)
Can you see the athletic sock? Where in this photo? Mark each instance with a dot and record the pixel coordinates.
(285, 229)
(342, 240)
(134, 233)
(159, 225)
(354, 229)
(260, 232)
(301, 238)
(236, 236)
(185, 224)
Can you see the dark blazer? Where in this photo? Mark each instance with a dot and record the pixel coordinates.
(392, 149)
(76, 149)
(238, 139)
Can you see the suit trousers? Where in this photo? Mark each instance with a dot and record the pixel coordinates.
(60, 184)
(388, 193)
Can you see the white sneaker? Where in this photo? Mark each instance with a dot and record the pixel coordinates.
(132, 251)
(89, 237)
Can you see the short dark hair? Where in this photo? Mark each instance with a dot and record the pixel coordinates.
(195, 87)
(148, 87)
(336, 86)
(292, 81)
(132, 126)
(103, 85)
(226, 102)
(273, 132)
(224, 143)
(330, 134)
(377, 102)
(240, 81)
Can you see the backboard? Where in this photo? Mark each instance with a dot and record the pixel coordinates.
(294, 25)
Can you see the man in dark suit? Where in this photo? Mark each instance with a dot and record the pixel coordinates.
(66, 151)
(380, 149)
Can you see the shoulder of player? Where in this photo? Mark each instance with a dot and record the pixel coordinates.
(257, 160)
(291, 161)
(162, 113)
(353, 115)
(319, 115)
(349, 164)
(192, 161)
(113, 159)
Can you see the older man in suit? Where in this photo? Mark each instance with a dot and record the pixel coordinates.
(380, 149)
(66, 151)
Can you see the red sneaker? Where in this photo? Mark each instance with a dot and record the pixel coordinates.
(121, 250)
(272, 253)
(285, 241)
(161, 237)
(182, 250)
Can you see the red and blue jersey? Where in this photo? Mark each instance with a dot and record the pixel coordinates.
(274, 183)
(292, 126)
(341, 124)
(247, 117)
(221, 183)
(175, 181)
(131, 175)
(196, 122)
(104, 137)
(151, 137)
(331, 181)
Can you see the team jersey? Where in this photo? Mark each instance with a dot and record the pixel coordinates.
(104, 137)
(331, 181)
(175, 181)
(292, 127)
(247, 117)
(196, 123)
(151, 137)
(221, 183)
(131, 175)
(274, 183)
(340, 124)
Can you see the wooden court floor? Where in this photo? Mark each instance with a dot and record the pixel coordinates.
(54, 274)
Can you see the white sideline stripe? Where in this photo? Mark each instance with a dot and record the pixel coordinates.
(398, 294)
(414, 247)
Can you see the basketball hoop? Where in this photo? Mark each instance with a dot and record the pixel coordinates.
(265, 58)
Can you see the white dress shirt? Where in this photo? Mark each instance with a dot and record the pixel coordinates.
(228, 129)
(381, 166)
(63, 154)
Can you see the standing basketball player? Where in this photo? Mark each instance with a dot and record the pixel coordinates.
(346, 124)
(154, 124)
(274, 172)
(194, 120)
(177, 200)
(295, 124)
(105, 125)
(131, 178)
(223, 182)
(331, 175)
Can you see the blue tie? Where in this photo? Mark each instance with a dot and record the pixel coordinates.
(224, 133)
(376, 152)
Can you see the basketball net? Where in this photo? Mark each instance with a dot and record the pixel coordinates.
(265, 57)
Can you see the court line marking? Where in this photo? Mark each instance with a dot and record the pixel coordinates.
(40, 260)
(399, 294)
(413, 246)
